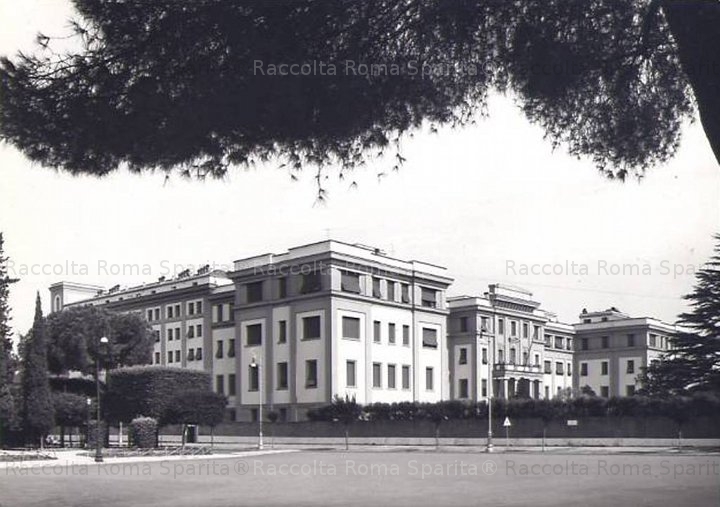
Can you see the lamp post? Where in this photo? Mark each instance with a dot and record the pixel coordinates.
(491, 360)
(98, 441)
(255, 364)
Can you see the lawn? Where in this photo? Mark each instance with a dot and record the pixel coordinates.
(376, 478)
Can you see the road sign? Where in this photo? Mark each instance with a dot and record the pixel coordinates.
(507, 423)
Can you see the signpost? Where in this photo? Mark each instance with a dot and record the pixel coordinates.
(507, 424)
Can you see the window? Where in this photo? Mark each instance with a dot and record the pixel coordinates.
(583, 369)
(157, 357)
(500, 356)
(429, 378)
(231, 384)
(198, 353)
(351, 328)
(463, 356)
(501, 326)
(219, 313)
(525, 358)
(653, 340)
(605, 391)
(282, 287)
(630, 390)
(559, 342)
(584, 344)
(605, 342)
(219, 350)
(220, 384)
(463, 389)
(350, 282)
(254, 334)
(311, 327)
(231, 348)
(310, 282)
(170, 334)
(512, 355)
(198, 307)
(484, 324)
(191, 331)
(604, 368)
(463, 324)
(391, 376)
(405, 377)
(630, 366)
(404, 293)
(547, 367)
(191, 355)
(311, 373)
(282, 331)
(198, 330)
(537, 360)
(429, 337)
(253, 377)
(282, 376)
(428, 298)
(157, 313)
(254, 292)
(391, 333)
(376, 288)
(513, 328)
(350, 374)
(484, 355)
(536, 332)
(177, 356)
(568, 344)
(559, 368)
(390, 287)
(149, 315)
(156, 335)
(484, 391)
(524, 330)
(587, 321)
(169, 312)
(376, 332)
(377, 375)
(406, 335)
(191, 308)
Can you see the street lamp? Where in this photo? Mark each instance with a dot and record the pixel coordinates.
(490, 361)
(98, 442)
(255, 364)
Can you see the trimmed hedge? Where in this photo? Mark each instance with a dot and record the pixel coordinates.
(149, 390)
(143, 432)
(196, 406)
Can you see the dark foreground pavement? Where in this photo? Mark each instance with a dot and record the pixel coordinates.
(371, 478)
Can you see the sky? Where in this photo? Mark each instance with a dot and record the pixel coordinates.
(491, 202)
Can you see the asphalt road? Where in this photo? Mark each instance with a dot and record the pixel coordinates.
(376, 478)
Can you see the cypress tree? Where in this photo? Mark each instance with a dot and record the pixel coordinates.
(37, 406)
(7, 404)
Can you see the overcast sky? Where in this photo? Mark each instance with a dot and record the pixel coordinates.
(485, 201)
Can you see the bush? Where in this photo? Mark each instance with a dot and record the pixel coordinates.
(196, 406)
(143, 432)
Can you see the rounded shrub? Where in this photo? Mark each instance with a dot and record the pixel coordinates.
(143, 432)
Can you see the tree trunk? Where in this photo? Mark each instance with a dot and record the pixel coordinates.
(62, 436)
(212, 437)
(437, 437)
(543, 439)
(184, 432)
(347, 438)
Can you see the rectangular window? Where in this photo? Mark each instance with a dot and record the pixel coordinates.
(231, 384)
(282, 331)
(536, 332)
(311, 373)
(428, 298)
(630, 390)
(463, 356)
(282, 287)
(406, 335)
(157, 313)
(512, 356)
(170, 334)
(191, 331)
(376, 288)
(350, 282)
(377, 331)
(653, 340)
(177, 356)
(390, 285)
(198, 330)
(191, 354)
(198, 353)
(198, 307)
(169, 312)
(559, 342)
(584, 344)
(351, 328)
(219, 313)
(568, 344)
(605, 342)
(583, 369)
(501, 326)
(537, 360)
(157, 357)
(156, 335)
(605, 391)
(177, 311)
(463, 324)
(559, 368)
(484, 392)
(282, 376)
(429, 337)
(191, 308)
(254, 292)
(569, 369)
(391, 376)
(377, 375)
(310, 282)
(350, 373)
(525, 330)
(231, 348)
(406, 377)
(149, 315)
(631, 366)
(513, 328)
(391, 333)
(429, 379)
(484, 356)
(311, 327)
(547, 367)
(604, 368)
(170, 356)
(404, 293)
(253, 377)
(220, 384)
(254, 334)
(219, 350)
(463, 389)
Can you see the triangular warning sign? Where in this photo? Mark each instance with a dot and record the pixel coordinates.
(506, 423)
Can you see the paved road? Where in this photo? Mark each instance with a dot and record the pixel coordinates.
(375, 478)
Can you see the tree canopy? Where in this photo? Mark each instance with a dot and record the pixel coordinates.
(199, 86)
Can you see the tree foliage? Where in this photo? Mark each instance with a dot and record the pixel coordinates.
(195, 406)
(176, 85)
(37, 406)
(7, 403)
(70, 409)
(74, 337)
(693, 363)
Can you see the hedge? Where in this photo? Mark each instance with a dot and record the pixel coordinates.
(148, 390)
(143, 432)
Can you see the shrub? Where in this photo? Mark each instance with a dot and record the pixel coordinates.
(143, 432)
(195, 406)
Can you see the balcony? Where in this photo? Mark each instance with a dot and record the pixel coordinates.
(502, 369)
